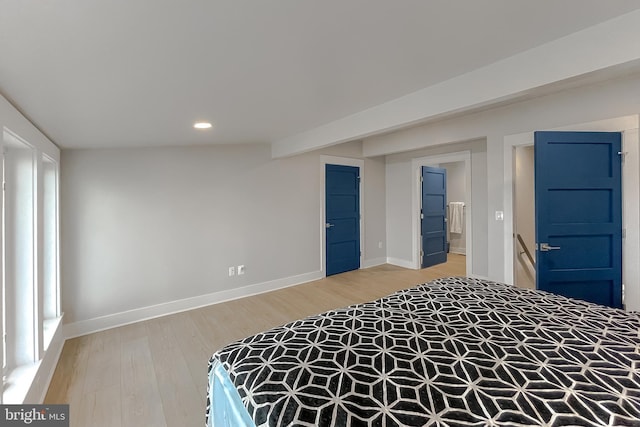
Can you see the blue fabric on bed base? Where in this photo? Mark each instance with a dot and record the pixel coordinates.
(227, 409)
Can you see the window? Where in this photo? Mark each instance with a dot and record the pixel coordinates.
(18, 280)
(30, 277)
(50, 287)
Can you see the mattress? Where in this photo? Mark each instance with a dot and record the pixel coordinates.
(451, 352)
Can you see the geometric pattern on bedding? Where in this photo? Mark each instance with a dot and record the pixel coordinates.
(451, 352)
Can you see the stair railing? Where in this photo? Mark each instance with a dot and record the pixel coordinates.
(526, 251)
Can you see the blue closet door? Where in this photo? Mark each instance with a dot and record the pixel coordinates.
(342, 213)
(433, 222)
(579, 215)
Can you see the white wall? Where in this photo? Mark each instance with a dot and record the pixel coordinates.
(615, 98)
(374, 212)
(143, 227)
(399, 216)
(148, 226)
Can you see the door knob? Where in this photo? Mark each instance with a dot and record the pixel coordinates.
(544, 247)
(328, 225)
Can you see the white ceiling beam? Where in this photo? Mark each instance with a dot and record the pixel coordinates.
(609, 44)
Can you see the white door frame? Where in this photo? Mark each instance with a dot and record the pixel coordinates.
(344, 161)
(628, 125)
(416, 164)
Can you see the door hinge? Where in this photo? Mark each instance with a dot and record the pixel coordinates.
(624, 233)
(421, 254)
(623, 155)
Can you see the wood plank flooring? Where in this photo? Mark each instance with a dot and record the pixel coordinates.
(154, 373)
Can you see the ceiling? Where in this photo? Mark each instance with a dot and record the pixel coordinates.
(133, 73)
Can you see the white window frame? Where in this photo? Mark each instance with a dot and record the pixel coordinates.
(23, 374)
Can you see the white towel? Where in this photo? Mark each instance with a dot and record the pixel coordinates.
(456, 218)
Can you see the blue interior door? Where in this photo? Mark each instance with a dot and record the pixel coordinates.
(433, 221)
(579, 215)
(342, 214)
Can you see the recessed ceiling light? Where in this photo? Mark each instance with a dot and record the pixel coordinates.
(202, 125)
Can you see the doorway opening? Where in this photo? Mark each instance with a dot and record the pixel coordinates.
(458, 166)
(524, 224)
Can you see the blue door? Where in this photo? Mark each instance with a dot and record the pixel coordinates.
(342, 217)
(579, 215)
(433, 223)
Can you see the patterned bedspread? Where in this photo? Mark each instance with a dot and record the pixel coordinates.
(451, 352)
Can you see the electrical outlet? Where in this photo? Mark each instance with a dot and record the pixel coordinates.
(379, 245)
(240, 270)
(232, 271)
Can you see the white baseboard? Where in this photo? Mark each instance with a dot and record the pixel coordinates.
(97, 324)
(373, 262)
(477, 276)
(459, 251)
(401, 263)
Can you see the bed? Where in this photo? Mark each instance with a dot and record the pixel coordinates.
(451, 352)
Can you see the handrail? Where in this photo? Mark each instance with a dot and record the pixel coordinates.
(526, 251)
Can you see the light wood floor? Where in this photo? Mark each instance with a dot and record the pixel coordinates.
(154, 373)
